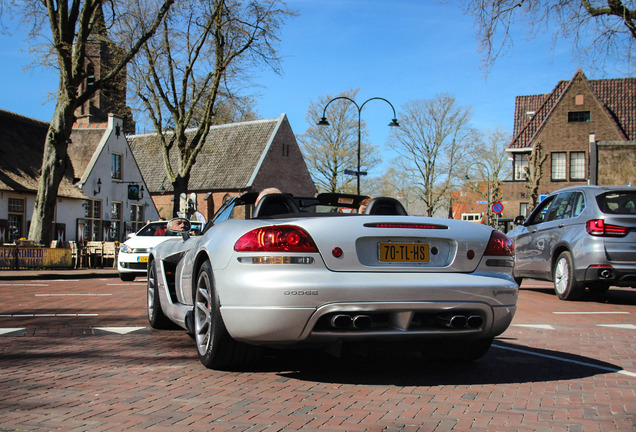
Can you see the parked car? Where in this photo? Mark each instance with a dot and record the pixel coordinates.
(132, 260)
(578, 237)
(292, 272)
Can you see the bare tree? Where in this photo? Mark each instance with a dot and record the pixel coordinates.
(432, 139)
(601, 30)
(534, 172)
(71, 24)
(329, 151)
(202, 48)
(488, 163)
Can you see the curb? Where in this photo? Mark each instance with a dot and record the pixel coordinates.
(57, 274)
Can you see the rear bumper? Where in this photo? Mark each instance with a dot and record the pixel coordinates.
(275, 308)
(388, 321)
(613, 274)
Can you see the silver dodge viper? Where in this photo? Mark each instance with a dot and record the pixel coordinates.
(288, 271)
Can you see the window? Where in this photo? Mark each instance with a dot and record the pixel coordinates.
(137, 217)
(471, 217)
(93, 225)
(577, 166)
(523, 209)
(115, 221)
(520, 163)
(539, 214)
(115, 169)
(578, 116)
(561, 208)
(558, 166)
(16, 219)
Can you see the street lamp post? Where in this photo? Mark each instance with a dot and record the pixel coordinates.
(323, 122)
(487, 188)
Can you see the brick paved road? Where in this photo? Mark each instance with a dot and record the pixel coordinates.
(76, 354)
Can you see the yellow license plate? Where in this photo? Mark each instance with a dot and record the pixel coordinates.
(143, 259)
(404, 252)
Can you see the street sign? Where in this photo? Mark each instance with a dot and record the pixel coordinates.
(497, 207)
(482, 202)
(354, 173)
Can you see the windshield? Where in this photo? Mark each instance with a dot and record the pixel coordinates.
(153, 228)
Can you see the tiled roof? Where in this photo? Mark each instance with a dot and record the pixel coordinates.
(84, 143)
(617, 95)
(228, 159)
(21, 150)
(542, 106)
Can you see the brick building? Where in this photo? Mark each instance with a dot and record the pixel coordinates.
(236, 158)
(587, 131)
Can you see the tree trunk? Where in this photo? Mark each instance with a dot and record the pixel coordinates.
(54, 166)
(180, 185)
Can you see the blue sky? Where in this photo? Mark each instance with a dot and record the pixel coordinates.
(400, 50)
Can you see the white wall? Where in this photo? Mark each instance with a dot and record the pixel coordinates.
(116, 190)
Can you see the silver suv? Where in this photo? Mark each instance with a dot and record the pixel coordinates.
(578, 237)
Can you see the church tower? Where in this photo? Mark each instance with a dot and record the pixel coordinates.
(101, 55)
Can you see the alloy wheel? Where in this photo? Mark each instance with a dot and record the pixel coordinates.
(203, 314)
(561, 275)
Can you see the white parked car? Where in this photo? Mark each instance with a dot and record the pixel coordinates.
(132, 260)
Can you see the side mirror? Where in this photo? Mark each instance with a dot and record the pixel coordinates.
(519, 220)
(179, 225)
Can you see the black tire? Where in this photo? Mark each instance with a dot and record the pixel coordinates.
(215, 347)
(156, 317)
(127, 277)
(456, 350)
(566, 286)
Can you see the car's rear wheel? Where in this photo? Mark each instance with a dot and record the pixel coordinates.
(215, 347)
(457, 350)
(565, 284)
(127, 277)
(156, 317)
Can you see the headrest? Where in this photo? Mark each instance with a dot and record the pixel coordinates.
(275, 204)
(385, 206)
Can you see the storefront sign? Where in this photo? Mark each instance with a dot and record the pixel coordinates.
(35, 257)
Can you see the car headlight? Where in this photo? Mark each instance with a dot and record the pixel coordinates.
(125, 249)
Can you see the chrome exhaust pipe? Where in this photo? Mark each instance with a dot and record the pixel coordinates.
(458, 321)
(475, 321)
(453, 321)
(362, 322)
(341, 321)
(606, 274)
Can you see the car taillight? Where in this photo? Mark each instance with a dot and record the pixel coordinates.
(500, 245)
(280, 238)
(598, 227)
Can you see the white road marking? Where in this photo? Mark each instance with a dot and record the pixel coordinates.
(619, 326)
(70, 295)
(551, 357)
(119, 330)
(8, 330)
(591, 313)
(537, 326)
(47, 315)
